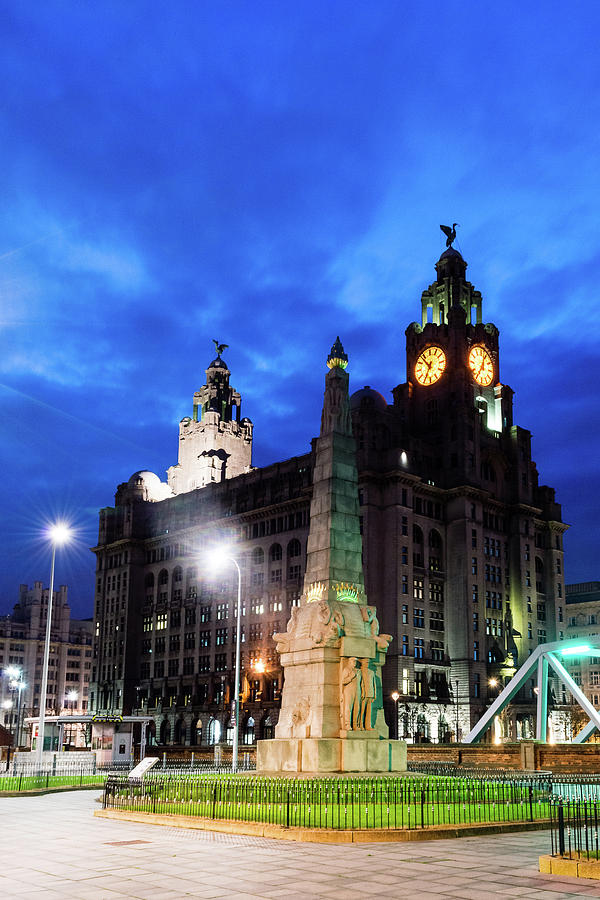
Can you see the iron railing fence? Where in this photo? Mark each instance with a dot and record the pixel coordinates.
(452, 770)
(574, 827)
(32, 776)
(386, 802)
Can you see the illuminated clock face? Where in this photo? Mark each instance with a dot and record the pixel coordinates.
(481, 365)
(430, 365)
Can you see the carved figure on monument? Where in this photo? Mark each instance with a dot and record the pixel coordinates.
(351, 691)
(317, 622)
(300, 717)
(367, 698)
(369, 614)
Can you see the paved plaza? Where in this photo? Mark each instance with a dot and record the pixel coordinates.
(51, 847)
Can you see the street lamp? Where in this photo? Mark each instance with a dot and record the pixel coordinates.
(395, 698)
(219, 558)
(58, 535)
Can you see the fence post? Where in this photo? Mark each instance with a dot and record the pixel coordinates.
(561, 828)
(422, 808)
(531, 803)
(287, 812)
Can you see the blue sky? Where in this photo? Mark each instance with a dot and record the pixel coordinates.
(271, 175)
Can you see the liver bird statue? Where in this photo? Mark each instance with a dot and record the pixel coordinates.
(220, 347)
(450, 233)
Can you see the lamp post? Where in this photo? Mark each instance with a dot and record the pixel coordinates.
(222, 557)
(395, 698)
(58, 534)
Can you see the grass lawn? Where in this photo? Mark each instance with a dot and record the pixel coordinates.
(12, 783)
(334, 803)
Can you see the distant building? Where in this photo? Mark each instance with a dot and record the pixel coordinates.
(583, 620)
(22, 637)
(463, 553)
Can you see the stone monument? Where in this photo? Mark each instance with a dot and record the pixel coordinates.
(331, 716)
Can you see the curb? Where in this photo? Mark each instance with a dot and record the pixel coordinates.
(319, 835)
(574, 868)
(59, 789)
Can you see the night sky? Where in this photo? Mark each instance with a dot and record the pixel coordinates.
(271, 175)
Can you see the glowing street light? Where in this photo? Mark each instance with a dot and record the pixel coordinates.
(219, 557)
(58, 534)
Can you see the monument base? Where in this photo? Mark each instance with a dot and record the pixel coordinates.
(287, 755)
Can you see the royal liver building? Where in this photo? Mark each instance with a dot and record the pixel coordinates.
(462, 547)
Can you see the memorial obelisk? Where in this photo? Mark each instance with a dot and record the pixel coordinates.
(331, 716)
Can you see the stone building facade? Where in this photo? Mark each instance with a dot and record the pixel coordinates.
(462, 547)
(22, 638)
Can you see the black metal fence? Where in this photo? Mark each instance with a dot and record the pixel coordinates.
(384, 802)
(574, 828)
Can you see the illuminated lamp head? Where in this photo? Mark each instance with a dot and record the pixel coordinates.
(59, 533)
(337, 359)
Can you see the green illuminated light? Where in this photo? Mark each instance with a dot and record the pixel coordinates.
(578, 651)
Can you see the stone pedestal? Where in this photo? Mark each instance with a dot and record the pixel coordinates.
(319, 755)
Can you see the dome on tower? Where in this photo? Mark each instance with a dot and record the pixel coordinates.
(149, 485)
(218, 363)
(451, 253)
(367, 398)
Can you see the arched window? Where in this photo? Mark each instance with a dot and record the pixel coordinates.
(268, 729)
(214, 731)
(435, 541)
(417, 547)
(258, 556)
(149, 580)
(165, 732)
(191, 574)
(196, 733)
(229, 732)
(163, 577)
(151, 733)
(417, 535)
(249, 731)
(179, 732)
(177, 574)
(276, 552)
(294, 548)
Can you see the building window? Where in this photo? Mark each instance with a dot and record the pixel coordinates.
(275, 576)
(204, 664)
(294, 572)
(220, 662)
(475, 650)
(437, 651)
(436, 620)
(474, 565)
(418, 588)
(436, 592)
(190, 617)
(176, 618)
(205, 613)
(475, 594)
(476, 684)
(529, 631)
(147, 623)
(560, 613)
(159, 669)
(405, 584)
(405, 614)
(222, 611)
(173, 667)
(174, 643)
(188, 665)
(418, 617)
(404, 645)
(419, 648)
(475, 621)
(404, 556)
(541, 612)
(205, 638)
(220, 636)
(541, 635)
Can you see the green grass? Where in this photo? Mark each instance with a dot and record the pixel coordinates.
(14, 783)
(334, 803)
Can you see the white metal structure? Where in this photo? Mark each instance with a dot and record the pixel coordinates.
(543, 656)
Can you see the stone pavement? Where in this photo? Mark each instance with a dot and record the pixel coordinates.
(52, 847)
